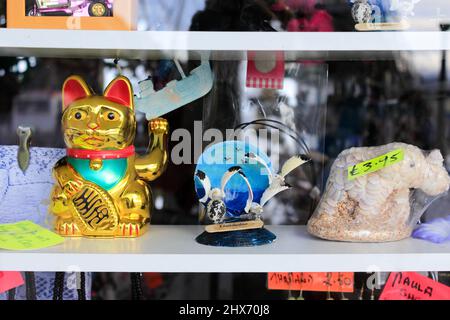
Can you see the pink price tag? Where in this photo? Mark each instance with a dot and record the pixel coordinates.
(413, 286)
(10, 280)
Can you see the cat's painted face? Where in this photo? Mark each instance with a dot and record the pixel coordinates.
(98, 122)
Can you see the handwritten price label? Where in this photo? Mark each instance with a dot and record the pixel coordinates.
(26, 235)
(413, 286)
(311, 281)
(375, 164)
(10, 280)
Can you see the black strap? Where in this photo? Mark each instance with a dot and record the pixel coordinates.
(12, 294)
(30, 281)
(81, 286)
(136, 286)
(58, 289)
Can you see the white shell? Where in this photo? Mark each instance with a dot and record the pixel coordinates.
(362, 12)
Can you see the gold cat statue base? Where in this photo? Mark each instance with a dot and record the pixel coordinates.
(101, 185)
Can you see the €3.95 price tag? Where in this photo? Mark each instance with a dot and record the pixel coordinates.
(375, 164)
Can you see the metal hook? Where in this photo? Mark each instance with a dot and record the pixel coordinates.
(23, 155)
(118, 67)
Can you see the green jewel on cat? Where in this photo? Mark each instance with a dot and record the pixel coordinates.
(108, 176)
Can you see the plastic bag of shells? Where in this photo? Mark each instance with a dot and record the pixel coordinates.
(383, 205)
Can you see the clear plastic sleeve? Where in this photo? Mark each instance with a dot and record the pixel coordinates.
(279, 122)
(384, 205)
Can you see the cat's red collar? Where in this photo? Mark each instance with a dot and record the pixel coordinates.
(104, 154)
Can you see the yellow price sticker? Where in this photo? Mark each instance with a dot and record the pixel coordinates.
(26, 235)
(375, 164)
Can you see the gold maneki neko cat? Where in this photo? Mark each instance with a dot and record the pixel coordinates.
(102, 185)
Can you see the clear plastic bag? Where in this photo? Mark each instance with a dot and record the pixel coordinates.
(279, 122)
(384, 205)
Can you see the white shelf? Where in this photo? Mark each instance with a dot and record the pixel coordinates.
(173, 249)
(222, 45)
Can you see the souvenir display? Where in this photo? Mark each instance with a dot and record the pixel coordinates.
(265, 170)
(72, 14)
(82, 8)
(233, 181)
(372, 15)
(384, 204)
(436, 231)
(102, 185)
(177, 93)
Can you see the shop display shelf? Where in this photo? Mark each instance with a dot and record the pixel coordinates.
(173, 249)
(221, 45)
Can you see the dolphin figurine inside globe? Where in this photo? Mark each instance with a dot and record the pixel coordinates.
(233, 181)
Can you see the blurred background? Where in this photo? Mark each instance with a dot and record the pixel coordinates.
(402, 98)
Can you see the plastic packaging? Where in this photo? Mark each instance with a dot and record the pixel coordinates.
(436, 231)
(24, 196)
(383, 205)
(280, 122)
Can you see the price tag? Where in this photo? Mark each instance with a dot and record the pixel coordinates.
(265, 70)
(10, 280)
(375, 164)
(26, 235)
(311, 281)
(413, 286)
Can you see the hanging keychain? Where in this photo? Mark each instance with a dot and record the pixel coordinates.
(361, 294)
(290, 296)
(329, 297)
(329, 275)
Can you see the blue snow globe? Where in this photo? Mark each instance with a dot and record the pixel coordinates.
(233, 181)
